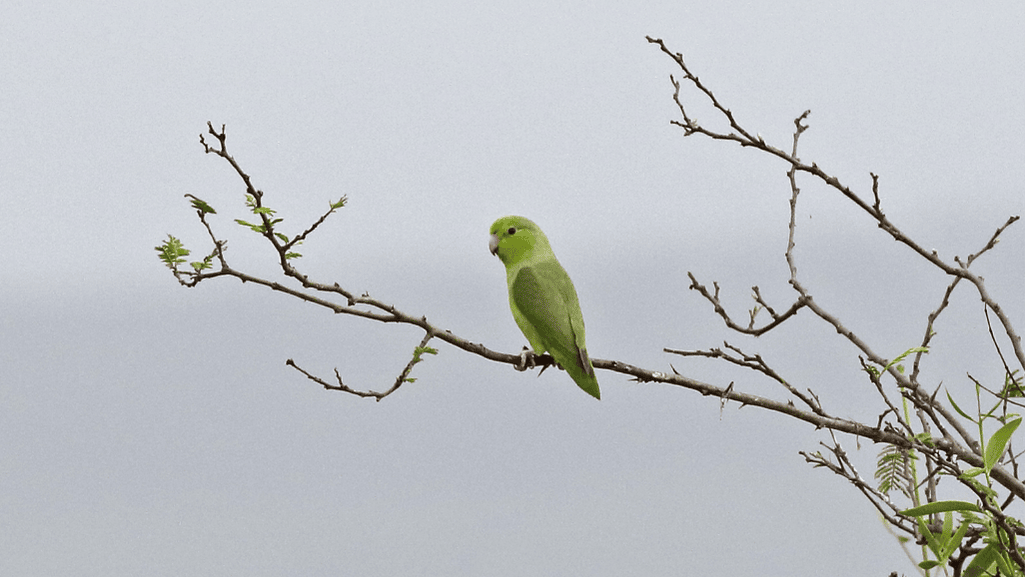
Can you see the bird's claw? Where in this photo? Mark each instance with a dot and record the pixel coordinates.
(526, 360)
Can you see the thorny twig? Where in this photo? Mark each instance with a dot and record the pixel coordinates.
(755, 362)
(943, 451)
(743, 137)
(843, 467)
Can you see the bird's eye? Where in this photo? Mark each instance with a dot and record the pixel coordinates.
(512, 230)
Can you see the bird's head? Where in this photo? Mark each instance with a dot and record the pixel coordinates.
(514, 238)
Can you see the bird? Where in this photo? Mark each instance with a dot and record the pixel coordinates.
(542, 298)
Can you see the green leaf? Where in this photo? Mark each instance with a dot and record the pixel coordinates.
(904, 355)
(958, 409)
(973, 472)
(944, 545)
(948, 525)
(292, 255)
(253, 227)
(982, 561)
(998, 444)
(201, 205)
(1005, 565)
(934, 544)
(1012, 385)
(262, 210)
(893, 469)
(341, 202)
(172, 252)
(926, 439)
(928, 564)
(955, 541)
(204, 264)
(940, 507)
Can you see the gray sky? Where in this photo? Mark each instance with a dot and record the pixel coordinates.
(149, 429)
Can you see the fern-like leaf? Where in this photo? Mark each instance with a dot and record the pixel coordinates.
(893, 470)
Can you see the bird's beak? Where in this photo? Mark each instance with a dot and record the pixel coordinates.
(493, 244)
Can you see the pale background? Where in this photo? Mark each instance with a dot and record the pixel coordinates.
(146, 429)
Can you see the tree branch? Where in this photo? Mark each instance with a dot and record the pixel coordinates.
(945, 450)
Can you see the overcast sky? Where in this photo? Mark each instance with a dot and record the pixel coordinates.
(149, 429)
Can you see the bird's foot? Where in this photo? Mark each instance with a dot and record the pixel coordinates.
(526, 360)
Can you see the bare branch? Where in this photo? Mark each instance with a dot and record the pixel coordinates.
(754, 362)
(843, 467)
(777, 319)
(743, 137)
(402, 378)
(944, 453)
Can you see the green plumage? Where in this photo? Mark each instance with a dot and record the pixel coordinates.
(542, 298)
